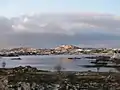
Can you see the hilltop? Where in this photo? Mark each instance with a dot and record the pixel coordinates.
(66, 47)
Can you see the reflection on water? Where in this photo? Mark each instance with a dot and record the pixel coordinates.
(49, 62)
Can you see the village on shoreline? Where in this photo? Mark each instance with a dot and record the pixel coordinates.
(61, 50)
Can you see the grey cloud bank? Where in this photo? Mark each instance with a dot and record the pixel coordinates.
(50, 30)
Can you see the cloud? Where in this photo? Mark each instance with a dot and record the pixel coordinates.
(49, 30)
(5, 25)
(47, 40)
(68, 23)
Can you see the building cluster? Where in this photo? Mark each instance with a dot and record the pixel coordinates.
(64, 49)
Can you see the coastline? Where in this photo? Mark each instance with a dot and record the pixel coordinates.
(25, 76)
(97, 54)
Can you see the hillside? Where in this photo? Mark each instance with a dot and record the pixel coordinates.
(66, 47)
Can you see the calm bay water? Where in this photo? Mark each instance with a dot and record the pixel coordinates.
(49, 62)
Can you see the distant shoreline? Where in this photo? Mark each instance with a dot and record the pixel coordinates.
(52, 55)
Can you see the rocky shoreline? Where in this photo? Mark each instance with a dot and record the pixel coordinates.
(29, 78)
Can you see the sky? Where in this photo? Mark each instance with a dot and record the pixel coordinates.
(11, 8)
(49, 23)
